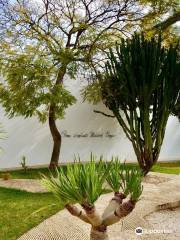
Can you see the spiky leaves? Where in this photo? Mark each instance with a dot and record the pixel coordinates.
(113, 178)
(132, 179)
(141, 86)
(85, 183)
(78, 183)
(124, 179)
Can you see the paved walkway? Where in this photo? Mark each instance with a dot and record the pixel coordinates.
(30, 185)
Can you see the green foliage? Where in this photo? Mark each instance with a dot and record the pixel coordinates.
(29, 84)
(92, 93)
(140, 68)
(172, 168)
(132, 182)
(81, 183)
(78, 183)
(32, 173)
(127, 179)
(36, 42)
(161, 18)
(141, 86)
(113, 178)
(158, 10)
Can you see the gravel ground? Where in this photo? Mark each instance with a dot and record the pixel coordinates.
(168, 220)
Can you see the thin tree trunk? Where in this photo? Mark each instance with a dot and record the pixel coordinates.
(146, 162)
(56, 139)
(52, 123)
(145, 167)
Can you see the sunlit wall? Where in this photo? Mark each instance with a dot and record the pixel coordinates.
(83, 132)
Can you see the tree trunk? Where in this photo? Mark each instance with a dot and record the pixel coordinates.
(56, 139)
(145, 165)
(146, 162)
(98, 235)
(52, 123)
(146, 170)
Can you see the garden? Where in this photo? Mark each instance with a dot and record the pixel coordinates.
(123, 55)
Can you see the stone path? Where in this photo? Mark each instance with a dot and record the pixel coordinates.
(30, 185)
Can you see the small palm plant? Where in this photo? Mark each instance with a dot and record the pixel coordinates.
(85, 183)
(23, 164)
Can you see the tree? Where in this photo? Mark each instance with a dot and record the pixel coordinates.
(43, 41)
(29, 89)
(85, 183)
(141, 86)
(162, 20)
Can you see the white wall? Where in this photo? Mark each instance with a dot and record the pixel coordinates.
(30, 138)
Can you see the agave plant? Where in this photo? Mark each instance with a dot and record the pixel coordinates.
(85, 183)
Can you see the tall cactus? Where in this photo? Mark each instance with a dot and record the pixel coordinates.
(141, 85)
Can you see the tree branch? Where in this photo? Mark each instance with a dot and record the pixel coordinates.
(122, 211)
(73, 210)
(104, 114)
(168, 22)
